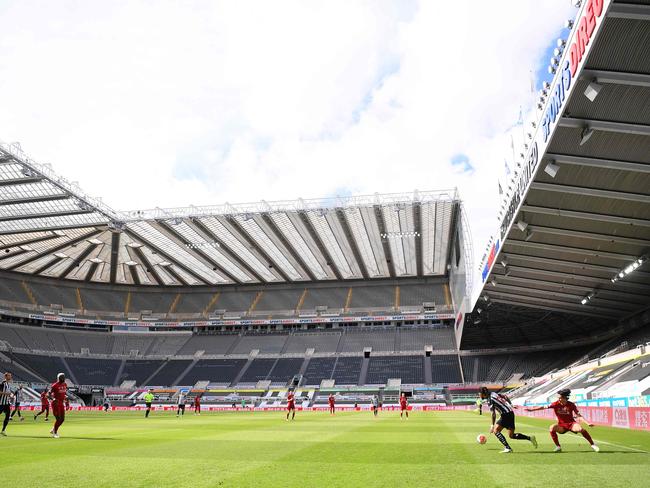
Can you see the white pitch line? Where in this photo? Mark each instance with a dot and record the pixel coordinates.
(621, 446)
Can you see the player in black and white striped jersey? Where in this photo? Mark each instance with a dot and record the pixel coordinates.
(6, 397)
(501, 403)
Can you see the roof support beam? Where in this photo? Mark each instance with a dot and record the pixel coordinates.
(563, 306)
(62, 213)
(28, 241)
(202, 230)
(176, 276)
(585, 215)
(575, 299)
(115, 249)
(167, 256)
(50, 228)
(381, 223)
(567, 249)
(314, 235)
(591, 279)
(588, 235)
(598, 162)
(20, 181)
(590, 192)
(78, 260)
(511, 301)
(91, 272)
(251, 243)
(340, 214)
(623, 296)
(169, 231)
(148, 266)
(44, 198)
(562, 262)
(47, 265)
(616, 77)
(605, 126)
(8, 254)
(54, 249)
(629, 11)
(417, 225)
(295, 255)
(134, 274)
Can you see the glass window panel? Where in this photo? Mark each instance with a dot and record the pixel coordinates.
(319, 221)
(294, 238)
(222, 233)
(214, 253)
(264, 242)
(179, 254)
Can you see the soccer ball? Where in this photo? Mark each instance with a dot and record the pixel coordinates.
(481, 439)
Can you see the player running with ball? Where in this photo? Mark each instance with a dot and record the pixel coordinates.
(568, 420)
(501, 403)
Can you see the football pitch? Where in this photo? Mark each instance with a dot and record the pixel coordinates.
(241, 449)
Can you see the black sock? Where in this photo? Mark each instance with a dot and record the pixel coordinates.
(502, 439)
(521, 437)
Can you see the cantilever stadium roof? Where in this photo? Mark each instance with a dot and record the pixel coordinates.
(587, 217)
(49, 227)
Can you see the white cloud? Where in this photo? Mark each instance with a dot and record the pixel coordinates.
(173, 103)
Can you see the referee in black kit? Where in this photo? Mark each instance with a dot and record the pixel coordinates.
(5, 400)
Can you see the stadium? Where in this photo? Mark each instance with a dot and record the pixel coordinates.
(353, 310)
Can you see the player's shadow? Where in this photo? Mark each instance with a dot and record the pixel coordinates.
(66, 437)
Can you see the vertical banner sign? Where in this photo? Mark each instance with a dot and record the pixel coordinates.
(588, 23)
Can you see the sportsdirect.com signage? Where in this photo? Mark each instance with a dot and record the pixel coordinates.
(242, 322)
(586, 27)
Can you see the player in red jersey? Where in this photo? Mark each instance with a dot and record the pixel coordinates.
(291, 405)
(45, 404)
(58, 391)
(197, 404)
(330, 401)
(568, 420)
(403, 405)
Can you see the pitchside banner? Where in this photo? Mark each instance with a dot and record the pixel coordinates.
(241, 322)
(587, 25)
(623, 417)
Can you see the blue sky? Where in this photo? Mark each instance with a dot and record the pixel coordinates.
(166, 104)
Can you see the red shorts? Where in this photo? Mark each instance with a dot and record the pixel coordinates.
(291, 406)
(403, 407)
(566, 426)
(58, 409)
(331, 405)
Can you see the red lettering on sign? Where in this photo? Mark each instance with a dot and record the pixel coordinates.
(590, 18)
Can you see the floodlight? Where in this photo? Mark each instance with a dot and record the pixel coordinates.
(552, 70)
(551, 169)
(494, 282)
(522, 225)
(557, 52)
(569, 25)
(586, 134)
(592, 90)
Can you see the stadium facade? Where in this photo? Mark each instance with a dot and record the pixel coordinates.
(357, 294)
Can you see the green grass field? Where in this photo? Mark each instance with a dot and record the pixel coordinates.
(121, 449)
